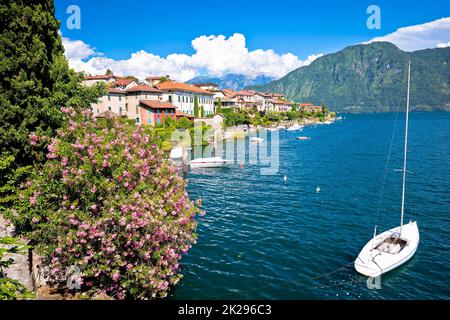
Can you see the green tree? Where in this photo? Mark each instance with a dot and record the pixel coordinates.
(35, 80)
(219, 105)
(196, 109)
(109, 72)
(202, 112)
(184, 123)
(324, 109)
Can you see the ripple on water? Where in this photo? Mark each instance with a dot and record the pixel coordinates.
(266, 238)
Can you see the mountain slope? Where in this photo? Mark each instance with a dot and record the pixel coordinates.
(232, 81)
(370, 78)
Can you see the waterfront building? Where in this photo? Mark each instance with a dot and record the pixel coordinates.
(155, 112)
(182, 95)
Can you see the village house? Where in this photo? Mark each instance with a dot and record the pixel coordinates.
(89, 81)
(133, 97)
(114, 101)
(155, 112)
(276, 105)
(182, 95)
(155, 80)
(309, 107)
(124, 83)
(207, 86)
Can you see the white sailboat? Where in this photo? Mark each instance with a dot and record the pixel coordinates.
(392, 248)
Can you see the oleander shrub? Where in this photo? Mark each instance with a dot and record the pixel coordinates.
(107, 202)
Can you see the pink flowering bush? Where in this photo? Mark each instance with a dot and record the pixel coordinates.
(107, 202)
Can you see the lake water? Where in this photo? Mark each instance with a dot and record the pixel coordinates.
(266, 238)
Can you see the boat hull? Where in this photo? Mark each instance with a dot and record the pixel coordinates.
(372, 262)
(209, 163)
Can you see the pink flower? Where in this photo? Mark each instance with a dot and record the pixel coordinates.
(116, 276)
(33, 200)
(33, 139)
(58, 250)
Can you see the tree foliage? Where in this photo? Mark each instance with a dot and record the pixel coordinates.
(35, 80)
(107, 202)
(196, 108)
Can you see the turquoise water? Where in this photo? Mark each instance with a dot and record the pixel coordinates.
(266, 238)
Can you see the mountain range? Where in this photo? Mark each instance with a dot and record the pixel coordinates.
(232, 81)
(370, 78)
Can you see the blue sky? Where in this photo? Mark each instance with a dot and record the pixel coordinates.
(117, 29)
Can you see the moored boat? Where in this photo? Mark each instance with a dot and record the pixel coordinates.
(213, 162)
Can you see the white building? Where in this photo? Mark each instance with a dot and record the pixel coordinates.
(182, 95)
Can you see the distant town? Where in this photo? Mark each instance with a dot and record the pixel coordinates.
(157, 97)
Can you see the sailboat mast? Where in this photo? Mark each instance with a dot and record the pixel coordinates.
(406, 146)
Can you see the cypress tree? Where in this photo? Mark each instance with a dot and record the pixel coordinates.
(35, 79)
(196, 106)
(202, 112)
(219, 105)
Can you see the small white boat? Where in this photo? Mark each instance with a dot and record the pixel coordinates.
(281, 128)
(303, 138)
(392, 248)
(295, 127)
(328, 122)
(209, 162)
(256, 140)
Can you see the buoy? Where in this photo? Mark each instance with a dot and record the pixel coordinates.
(318, 190)
(285, 178)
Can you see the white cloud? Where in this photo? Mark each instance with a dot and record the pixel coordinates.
(423, 36)
(214, 55)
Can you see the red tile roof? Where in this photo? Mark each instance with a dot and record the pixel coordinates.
(114, 90)
(172, 85)
(99, 77)
(156, 104)
(123, 82)
(182, 114)
(246, 93)
(143, 88)
(281, 102)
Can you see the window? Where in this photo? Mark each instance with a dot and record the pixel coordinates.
(109, 108)
(149, 120)
(120, 98)
(137, 120)
(98, 111)
(179, 99)
(120, 110)
(159, 121)
(126, 107)
(158, 111)
(170, 98)
(109, 97)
